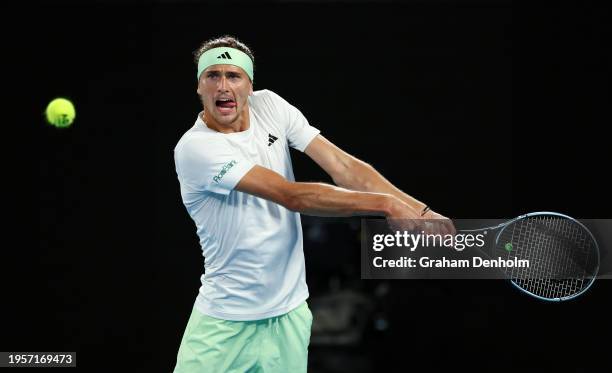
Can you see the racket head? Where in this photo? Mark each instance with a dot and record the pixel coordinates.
(563, 255)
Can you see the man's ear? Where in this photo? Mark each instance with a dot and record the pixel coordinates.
(198, 90)
(251, 89)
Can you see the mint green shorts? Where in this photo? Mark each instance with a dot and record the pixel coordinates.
(277, 344)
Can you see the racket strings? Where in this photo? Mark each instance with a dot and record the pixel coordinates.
(559, 251)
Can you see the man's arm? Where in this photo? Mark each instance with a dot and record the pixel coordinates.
(351, 173)
(320, 199)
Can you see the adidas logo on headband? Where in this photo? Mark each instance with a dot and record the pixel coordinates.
(225, 56)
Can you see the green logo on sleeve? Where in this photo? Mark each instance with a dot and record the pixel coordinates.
(224, 170)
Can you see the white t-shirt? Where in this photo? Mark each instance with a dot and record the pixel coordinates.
(254, 259)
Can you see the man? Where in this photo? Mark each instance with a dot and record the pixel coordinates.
(237, 184)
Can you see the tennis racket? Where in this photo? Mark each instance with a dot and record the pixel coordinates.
(563, 254)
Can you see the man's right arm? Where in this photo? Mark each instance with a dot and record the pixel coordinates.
(321, 199)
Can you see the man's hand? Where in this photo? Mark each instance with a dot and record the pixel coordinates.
(403, 217)
(445, 225)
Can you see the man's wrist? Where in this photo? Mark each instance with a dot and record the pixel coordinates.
(389, 204)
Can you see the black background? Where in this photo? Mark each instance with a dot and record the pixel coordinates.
(481, 109)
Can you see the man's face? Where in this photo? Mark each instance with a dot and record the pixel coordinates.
(224, 90)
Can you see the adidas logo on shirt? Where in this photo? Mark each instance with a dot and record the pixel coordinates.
(271, 139)
(225, 56)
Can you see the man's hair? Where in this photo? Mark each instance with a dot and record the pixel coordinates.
(223, 41)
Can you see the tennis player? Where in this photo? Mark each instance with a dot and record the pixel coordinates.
(237, 184)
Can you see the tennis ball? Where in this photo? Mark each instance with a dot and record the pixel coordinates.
(60, 113)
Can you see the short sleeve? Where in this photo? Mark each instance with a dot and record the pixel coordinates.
(210, 164)
(297, 129)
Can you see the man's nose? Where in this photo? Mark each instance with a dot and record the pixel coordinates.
(223, 83)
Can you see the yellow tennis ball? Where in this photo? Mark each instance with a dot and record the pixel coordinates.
(60, 113)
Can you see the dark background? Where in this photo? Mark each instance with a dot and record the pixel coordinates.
(483, 109)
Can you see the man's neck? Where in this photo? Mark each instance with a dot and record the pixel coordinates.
(241, 123)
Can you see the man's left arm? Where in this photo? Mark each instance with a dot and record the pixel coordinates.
(352, 173)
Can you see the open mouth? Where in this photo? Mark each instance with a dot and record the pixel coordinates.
(225, 104)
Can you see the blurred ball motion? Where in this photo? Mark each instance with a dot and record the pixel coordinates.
(60, 113)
